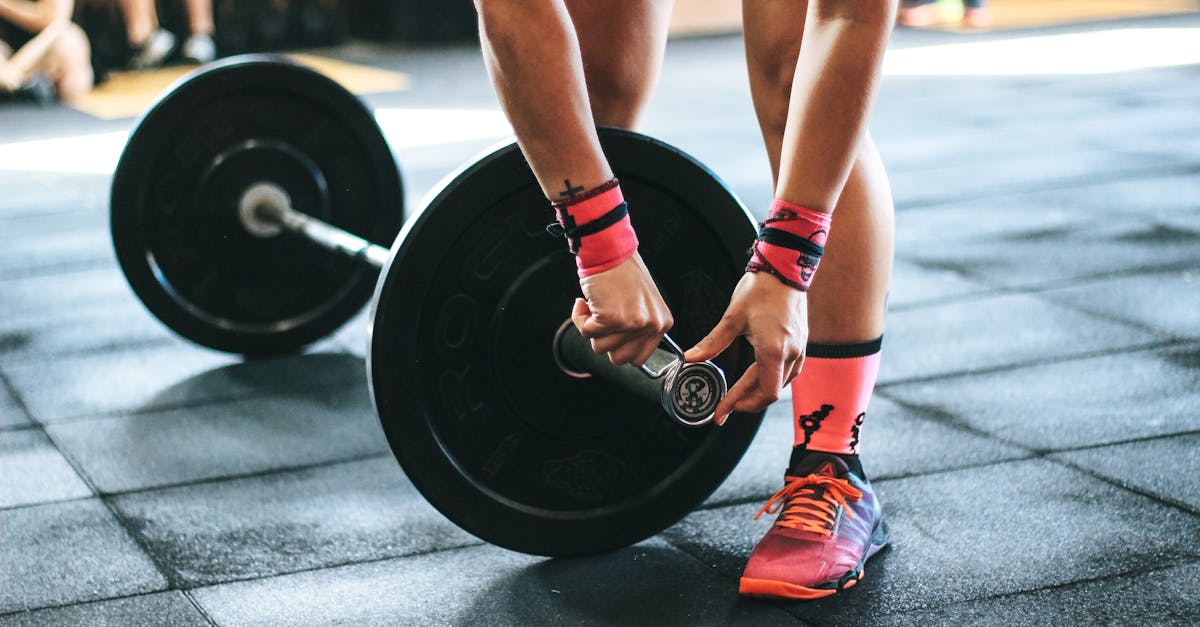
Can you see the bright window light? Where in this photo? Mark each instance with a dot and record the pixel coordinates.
(405, 128)
(1098, 52)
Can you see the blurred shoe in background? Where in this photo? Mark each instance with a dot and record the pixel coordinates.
(157, 48)
(200, 49)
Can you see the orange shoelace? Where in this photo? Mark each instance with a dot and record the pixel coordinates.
(810, 503)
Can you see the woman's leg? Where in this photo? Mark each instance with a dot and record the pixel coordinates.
(622, 48)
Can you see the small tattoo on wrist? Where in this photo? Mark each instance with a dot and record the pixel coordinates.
(571, 190)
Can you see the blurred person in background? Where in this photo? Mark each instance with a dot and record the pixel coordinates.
(152, 44)
(926, 13)
(42, 52)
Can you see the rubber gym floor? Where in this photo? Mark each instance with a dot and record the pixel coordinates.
(1034, 437)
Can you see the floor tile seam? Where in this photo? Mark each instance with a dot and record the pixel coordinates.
(160, 562)
(990, 289)
(784, 607)
(1031, 363)
(187, 591)
(940, 416)
(76, 467)
(18, 219)
(217, 401)
(1048, 290)
(1076, 181)
(19, 428)
(1054, 587)
(876, 479)
(32, 359)
(1019, 152)
(13, 508)
(335, 565)
(684, 550)
(17, 397)
(1157, 149)
(8, 279)
(1137, 440)
(258, 474)
(61, 606)
(54, 269)
(987, 288)
(716, 574)
(936, 415)
(1001, 190)
(1185, 162)
(187, 594)
(1176, 159)
(156, 560)
(1157, 498)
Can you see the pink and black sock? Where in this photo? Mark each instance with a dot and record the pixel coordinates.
(830, 397)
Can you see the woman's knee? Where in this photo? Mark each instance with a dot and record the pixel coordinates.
(618, 94)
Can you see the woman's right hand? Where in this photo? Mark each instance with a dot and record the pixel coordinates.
(773, 317)
(622, 312)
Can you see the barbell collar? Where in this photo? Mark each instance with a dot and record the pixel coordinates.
(688, 392)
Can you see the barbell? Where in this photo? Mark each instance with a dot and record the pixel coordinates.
(251, 212)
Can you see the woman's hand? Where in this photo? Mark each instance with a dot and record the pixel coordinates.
(623, 314)
(774, 319)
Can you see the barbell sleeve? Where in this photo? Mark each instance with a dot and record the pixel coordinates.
(688, 392)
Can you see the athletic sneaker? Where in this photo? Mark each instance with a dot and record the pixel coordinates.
(155, 51)
(829, 524)
(199, 49)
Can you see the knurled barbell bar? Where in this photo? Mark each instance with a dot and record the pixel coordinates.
(235, 186)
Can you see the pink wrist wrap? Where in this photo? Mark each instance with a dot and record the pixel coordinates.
(790, 243)
(597, 228)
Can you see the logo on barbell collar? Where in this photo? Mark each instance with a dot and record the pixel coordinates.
(694, 393)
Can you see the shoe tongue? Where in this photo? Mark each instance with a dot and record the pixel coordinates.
(819, 464)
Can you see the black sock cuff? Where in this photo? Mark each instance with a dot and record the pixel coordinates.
(844, 351)
(852, 461)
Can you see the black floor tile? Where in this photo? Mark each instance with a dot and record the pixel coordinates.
(974, 534)
(1165, 467)
(984, 333)
(162, 608)
(34, 471)
(648, 584)
(215, 440)
(64, 553)
(261, 526)
(1073, 403)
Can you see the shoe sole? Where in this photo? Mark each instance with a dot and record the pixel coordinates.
(782, 590)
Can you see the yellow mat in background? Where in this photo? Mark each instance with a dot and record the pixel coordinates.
(129, 94)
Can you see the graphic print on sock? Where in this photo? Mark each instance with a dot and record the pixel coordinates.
(858, 421)
(811, 422)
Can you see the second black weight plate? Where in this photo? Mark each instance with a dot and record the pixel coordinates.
(252, 123)
(484, 423)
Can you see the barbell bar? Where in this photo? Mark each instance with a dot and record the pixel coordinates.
(239, 182)
(688, 392)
